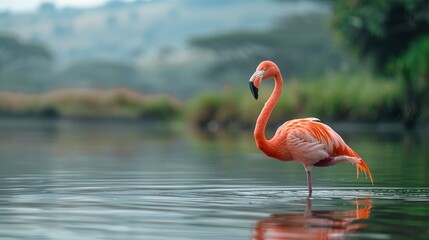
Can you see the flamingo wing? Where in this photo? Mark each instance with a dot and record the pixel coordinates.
(316, 144)
(303, 143)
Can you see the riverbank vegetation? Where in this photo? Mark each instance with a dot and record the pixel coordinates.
(355, 97)
(89, 104)
(359, 98)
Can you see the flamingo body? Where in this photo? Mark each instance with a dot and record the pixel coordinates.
(305, 140)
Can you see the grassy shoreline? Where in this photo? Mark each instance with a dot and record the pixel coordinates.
(118, 103)
(360, 98)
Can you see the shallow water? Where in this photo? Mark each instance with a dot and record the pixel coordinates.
(62, 180)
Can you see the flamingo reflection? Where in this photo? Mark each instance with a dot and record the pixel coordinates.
(330, 224)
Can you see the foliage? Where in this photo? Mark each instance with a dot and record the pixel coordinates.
(204, 109)
(15, 52)
(116, 103)
(301, 42)
(360, 98)
(23, 65)
(331, 98)
(99, 73)
(413, 66)
(35, 75)
(395, 35)
(162, 108)
(382, 30)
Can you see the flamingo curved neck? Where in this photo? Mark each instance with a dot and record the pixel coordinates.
(261, 141)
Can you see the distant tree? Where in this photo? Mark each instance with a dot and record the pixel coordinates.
(381, 30)
(23, 66)
(302, 44)
(413, 65)
(17, 53)
(99, 73)
(390, 34)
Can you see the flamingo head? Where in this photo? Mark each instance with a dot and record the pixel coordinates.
(265, 70)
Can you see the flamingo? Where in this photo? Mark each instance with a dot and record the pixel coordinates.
(306, 140)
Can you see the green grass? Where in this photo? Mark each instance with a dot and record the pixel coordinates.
(360, 97)
(356, 98)
(89, 103)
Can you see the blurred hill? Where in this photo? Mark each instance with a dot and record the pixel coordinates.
(163, 46)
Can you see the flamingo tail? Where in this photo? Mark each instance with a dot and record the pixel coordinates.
(358, 161)
(362, 167)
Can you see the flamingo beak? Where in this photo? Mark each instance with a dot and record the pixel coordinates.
(257, 76)
(254, 90)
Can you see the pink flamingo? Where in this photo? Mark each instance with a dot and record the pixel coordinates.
(305, 140)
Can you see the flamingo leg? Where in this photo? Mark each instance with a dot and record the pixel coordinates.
(310, 190)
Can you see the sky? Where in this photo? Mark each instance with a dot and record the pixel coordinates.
(30, 5)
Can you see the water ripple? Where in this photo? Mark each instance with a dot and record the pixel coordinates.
(74, 206)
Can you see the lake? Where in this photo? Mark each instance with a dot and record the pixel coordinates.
(92, 180)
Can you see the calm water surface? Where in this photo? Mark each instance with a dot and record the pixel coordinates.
(62, 180)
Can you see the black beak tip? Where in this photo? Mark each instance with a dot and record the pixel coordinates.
(254, 90)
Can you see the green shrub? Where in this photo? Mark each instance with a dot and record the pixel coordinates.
(360, 97)
(90, 103)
